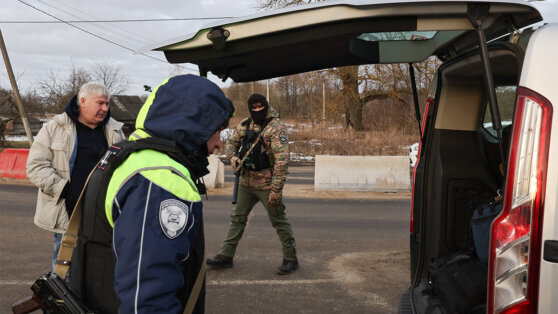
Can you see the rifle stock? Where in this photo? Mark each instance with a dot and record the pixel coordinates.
(28, 305)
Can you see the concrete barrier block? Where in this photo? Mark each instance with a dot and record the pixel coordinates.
(362, 173)
(216, 176)
(12, 163)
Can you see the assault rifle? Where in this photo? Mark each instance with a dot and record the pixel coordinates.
(240, 164)
(50, 293)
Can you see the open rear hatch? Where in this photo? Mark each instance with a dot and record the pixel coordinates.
(326, 35)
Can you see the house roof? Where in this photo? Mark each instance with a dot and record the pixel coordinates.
(125, 108)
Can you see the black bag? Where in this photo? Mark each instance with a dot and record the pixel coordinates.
(480, 227)
(459, 281)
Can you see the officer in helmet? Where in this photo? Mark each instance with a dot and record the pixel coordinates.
(141, 249)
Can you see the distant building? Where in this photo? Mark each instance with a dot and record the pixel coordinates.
(15, 126)
(10, 121)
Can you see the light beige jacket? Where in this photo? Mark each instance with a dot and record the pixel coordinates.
(48, 167)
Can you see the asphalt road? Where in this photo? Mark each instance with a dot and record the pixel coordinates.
(353, 255)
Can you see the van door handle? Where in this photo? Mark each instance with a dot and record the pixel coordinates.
(551, 251)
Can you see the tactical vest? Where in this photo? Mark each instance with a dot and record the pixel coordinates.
(257, 159)
(92, 266)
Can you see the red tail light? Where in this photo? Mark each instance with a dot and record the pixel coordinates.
(412, 227)
(515, 246)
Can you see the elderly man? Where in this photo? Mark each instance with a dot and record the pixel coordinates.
(65, 151)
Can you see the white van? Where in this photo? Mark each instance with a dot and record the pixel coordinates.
(477, 141)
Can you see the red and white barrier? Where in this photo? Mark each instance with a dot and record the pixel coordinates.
(12, 163)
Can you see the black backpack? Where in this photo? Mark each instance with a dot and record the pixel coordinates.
(92, 265)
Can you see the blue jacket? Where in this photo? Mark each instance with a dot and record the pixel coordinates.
(157, 211)
(145, 237)
(158, 233)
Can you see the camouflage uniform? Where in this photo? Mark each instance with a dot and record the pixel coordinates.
(275, 143)
(256, 186)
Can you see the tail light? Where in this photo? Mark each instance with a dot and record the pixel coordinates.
(412, 226)
(515, 244)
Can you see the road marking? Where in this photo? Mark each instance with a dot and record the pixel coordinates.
(215, 282)
(269, 282)
(15, 283)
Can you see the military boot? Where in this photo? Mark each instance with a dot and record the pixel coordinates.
(220, 261)
(287, 267)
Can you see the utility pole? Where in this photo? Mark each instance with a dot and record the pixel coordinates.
(311, 99)
(323, 102)
(22, 113)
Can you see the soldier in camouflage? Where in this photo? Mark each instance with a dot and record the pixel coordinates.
(262, 177)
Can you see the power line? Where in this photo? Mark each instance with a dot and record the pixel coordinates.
(102, 38)
(108, 30)
(119, 21)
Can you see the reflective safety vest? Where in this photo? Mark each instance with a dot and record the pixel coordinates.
(92, 266)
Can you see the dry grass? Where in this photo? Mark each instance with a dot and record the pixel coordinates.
(336, 140)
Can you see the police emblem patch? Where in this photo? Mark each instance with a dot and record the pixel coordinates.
(173, 215)
(283, 138)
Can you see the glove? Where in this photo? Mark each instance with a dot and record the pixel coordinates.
(234, 162)
(274, 198)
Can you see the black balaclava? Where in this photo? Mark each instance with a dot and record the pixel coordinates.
(258, 116)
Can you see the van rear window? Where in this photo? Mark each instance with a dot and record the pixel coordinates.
(399, 36)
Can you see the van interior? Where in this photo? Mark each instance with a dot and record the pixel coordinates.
(460, 169)
(462, 158)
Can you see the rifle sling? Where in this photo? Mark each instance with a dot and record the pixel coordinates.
(253, 145)
(196, 289)
(69, 240)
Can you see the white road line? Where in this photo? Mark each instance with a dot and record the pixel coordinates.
(215, 282)
(15, 283)
(269, 282)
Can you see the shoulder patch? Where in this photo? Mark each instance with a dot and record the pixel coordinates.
(173, 215)
(283, 138)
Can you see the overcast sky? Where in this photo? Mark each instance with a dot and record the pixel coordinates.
(35, 49)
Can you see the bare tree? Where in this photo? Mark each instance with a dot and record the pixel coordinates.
(360, 85)
(56, 90)
(347, 75)
(111, 77)
(277, 4)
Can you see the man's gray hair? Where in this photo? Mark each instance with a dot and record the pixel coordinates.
(92, 89)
